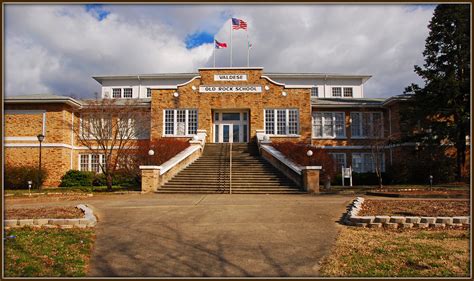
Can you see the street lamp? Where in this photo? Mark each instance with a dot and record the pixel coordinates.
(40, 139)
(151, 152)
(309, 153)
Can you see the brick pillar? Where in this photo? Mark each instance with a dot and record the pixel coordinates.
(310, 179)
(150, 178)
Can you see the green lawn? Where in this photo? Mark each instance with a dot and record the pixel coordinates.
(47, 252)
(363, 252)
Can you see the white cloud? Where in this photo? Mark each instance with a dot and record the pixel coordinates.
(58, 48)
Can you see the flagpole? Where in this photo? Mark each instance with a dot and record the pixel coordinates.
(248, 48)
(214, 51)
(230, 42)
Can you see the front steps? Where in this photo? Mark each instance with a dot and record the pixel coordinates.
(250, 173)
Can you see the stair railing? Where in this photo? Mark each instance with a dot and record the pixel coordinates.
(230, 169)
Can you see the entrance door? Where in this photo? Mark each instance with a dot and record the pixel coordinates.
(230, 126)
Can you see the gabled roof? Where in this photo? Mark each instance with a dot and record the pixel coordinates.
(43, 98)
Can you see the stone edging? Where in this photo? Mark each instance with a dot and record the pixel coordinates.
(89, 220)
(351, 218)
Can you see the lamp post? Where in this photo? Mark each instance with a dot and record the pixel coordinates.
(430, 147)
(40, 139)
(151, 152)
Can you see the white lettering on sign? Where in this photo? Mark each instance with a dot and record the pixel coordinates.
(230, 89)
(230, 77)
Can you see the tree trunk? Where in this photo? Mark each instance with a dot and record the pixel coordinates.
(109, 182)
(460, 153)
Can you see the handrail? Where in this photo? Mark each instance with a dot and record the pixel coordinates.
(230, 172)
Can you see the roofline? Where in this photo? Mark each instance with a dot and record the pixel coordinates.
(397, 98)
(67, 100)
(232, 68)
(364, 77)
(100, 78)
(348, 105)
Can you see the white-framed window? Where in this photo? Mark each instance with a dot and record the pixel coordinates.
(329, 125)
(366, 124)
(117, 93)
(336, 92)
(91, 162)
(281, 121)
(364, 162)
(348, 92)
(180, 122)
(94, 127)
(314, 92)
(127, 93)
(339, 160)
(148, 92)
(137, 127)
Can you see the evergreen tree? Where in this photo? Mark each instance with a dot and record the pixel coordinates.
(443, 103)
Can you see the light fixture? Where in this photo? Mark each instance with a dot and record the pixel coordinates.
(175, 94)
(309, 153)
(194, 88)
(284, 94)
(151, 152)
(195, 137)
(267, 87)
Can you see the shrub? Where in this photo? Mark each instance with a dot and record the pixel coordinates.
(167, 148)
(121, 178)
(297, 153)
(17, 177)
(77, 178)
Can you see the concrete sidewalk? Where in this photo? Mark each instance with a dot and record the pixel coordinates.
(213, 235)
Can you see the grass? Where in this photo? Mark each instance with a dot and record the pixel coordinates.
(361, 252)
(47, 252)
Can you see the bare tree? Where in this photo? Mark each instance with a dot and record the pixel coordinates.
(377, 139)
(112, 128)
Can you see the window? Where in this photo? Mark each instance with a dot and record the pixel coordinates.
(137, 127)
(181, 122)
(339, 160)
(348, 92)
(364, 162)
(148, 92)
(336, 92)
(95, 127)
(91, 162)
(314, 92)
(127, 92)
(286, 123)
(329, 125)
(269, 121)
(117, 93)
(366, 124)
(231, 116)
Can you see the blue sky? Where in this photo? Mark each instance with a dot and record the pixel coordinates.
(58, 48)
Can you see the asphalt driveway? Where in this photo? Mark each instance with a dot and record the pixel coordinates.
(213, 235)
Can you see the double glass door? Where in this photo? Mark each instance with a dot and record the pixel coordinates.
(230, 126)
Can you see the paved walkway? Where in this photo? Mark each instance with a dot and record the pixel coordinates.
(213, 235)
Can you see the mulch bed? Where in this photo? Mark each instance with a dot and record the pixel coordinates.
(429, 208)
(422, 193)
(38, 213)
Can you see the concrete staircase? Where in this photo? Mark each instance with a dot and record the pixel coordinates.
(210, 173)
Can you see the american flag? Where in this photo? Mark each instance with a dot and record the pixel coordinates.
(238, 24)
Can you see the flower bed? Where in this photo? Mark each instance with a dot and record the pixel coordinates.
(354, 218)
(447, 208)
(35, 213)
